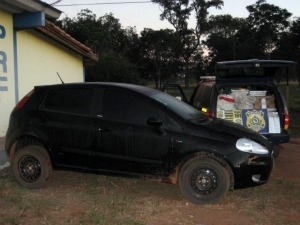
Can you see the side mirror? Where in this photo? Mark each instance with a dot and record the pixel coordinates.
(154, 122)
(157, 124)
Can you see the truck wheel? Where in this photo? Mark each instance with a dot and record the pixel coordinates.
(203, 180)
(31, 166)
(276, 150)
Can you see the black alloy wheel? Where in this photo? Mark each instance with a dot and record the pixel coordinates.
(31, 166)
(30, 169)
(203, 180)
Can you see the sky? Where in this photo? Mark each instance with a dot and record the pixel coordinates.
(146, 15)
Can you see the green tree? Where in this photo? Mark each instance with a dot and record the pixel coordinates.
(256, 36)
(82, 27)
(178, 13)
(113, 45)
(113, 67)
(289, 44)
(159, 52)
(289, 48)
(223, 40)
(266, 23)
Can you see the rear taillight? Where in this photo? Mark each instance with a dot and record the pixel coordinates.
(286, 119)
(206, 112)
(211, 114)
(23, 100)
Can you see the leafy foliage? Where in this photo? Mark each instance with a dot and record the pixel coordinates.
(222, 40)
(160, 53)
(115, 46)
(184, 52)
(178, 13)
(267, 22)
(264, 34)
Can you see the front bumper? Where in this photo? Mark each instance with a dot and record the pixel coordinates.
(250, 169)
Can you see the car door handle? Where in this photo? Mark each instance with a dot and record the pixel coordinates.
(43, 120)
(104, 129)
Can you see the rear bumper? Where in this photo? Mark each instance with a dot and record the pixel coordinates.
(277, 138)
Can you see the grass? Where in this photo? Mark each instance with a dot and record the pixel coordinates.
(79, 198)
(276, 199)
(293, 100)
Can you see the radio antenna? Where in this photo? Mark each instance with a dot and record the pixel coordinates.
(60, 78)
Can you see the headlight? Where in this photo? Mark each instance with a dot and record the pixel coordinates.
(247, 145)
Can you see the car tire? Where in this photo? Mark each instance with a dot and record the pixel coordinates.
(31, 166)
(203, 180)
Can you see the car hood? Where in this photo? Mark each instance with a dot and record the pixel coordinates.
(226, 131)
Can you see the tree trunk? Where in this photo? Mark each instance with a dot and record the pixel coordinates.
(186, 71)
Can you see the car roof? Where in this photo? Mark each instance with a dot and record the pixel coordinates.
(132, 87)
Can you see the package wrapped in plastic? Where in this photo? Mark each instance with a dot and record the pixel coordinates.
(245, 103)
(225, 102)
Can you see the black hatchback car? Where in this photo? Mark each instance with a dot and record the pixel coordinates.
(133, 130)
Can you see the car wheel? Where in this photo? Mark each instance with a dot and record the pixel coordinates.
(203, 180)
(31, 166)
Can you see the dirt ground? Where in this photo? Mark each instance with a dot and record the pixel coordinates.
(78, 198)
(287, 168)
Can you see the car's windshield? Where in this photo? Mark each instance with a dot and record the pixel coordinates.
(181, 108)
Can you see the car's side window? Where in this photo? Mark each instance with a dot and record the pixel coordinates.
(121, 106)
(76, 101)
(169, 122)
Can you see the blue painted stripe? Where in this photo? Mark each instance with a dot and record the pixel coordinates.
(3, 78)
(16, 66)
(3, 88)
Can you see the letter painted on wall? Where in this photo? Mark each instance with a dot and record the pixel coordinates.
(7, 69)
(2, 32)
(3, 63)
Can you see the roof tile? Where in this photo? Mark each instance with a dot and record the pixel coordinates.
(67, 40)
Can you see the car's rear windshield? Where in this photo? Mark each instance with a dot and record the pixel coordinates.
(178, 107)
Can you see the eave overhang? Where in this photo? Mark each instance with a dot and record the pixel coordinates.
(57, 34)
(20, 6)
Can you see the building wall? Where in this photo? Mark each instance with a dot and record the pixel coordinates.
(29, 58)
(40, 59)
(7, 79)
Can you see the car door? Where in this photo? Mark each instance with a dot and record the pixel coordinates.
(175, 90)
(66, 119)
(125, 143)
